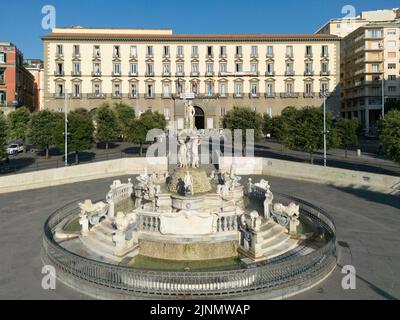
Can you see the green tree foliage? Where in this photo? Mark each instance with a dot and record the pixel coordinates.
(139, 127)
(41, 131)
(3, 135)
(80, 132)
(303, 130)
(107, 127)
(347, 132)
(244, 118)
(389, 134)
(18, 122)
(125, 115)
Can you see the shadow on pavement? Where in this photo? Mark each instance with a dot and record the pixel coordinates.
(382, 198)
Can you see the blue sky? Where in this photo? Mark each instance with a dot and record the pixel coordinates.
(20, 20)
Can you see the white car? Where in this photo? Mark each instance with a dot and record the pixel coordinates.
(15, 148)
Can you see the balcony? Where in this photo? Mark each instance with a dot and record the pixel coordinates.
(149, 74)
(238, 56)
(59, 95)
(289, 95)
(147, 96)
(254, 95)
(195, 56)
(308, 94)
(209, 74)
(289, 73)
(59, 73)
(309, 73)
(308, 55)
(223, 95)
(269, 55)
(269, 73)
(96, 73)
(166, 56)
(325, 55)
(76, 56)
(96, 56)
(223, 56)
(166, 74)
(96, 96)
(209, 56)
(133, 74)
(270, 95)
(254, 56)
(238, 95)
(59, 56)
(179, 74)
(133, 96)
(180, 56)
(166, 96)
(325, 73)
(76, 96)
(116, 74)
(149, 56)
(289, 56)
(116, 96)
(76, 73)
(207, 96)
(194, 74)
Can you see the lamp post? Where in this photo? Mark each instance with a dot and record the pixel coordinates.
(66, 127)
(324, 93)
(383, 94)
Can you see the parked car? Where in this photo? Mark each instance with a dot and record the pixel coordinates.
(15, 148)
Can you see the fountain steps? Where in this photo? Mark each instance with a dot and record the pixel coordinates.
(286, 246)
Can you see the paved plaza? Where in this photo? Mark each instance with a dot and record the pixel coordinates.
(368, 226)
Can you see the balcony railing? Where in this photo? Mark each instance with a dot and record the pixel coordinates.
(166, 96)
(223, 56)
(59, 73)
(180, 74)
(76, 96)
(147, 96)
(133, 96)
(116, 74)
(289, 73)
(308, 94)
(149, 74)
(76, 73)
(194, 55)
(269, 55)
(133, 74)
(308, 73)
(254, 95)
(209, 73)
(325, 73)
(289, 94)
(270, 73)
(96, 73)
(59, 95)
(238, 95)
(308, 55)
(116, 96)
(270, 95)
(166, 74)
(194, 74)
(238, 56)
(96, 96)
(96, 55)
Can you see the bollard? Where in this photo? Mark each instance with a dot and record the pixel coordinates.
(358, 152)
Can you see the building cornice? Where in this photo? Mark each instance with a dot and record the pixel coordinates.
(189, 37)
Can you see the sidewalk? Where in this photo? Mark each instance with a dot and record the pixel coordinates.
(369, 162)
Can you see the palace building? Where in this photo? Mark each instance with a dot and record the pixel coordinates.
(156, 69)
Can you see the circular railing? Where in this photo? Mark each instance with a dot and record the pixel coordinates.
(281, 278)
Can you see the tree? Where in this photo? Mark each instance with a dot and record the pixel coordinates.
(125, 115)
(389, 134)
(139, 127)
(347, 131)
(303, 130)
(244, 118)
(107, 127)
(18, 122)
(80, 132)
(41, 129)
(3, 136)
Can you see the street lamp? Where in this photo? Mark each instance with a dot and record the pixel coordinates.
(66, 127)
(383, 94)
(324, 93)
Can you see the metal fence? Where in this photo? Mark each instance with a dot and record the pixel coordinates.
(277, 279)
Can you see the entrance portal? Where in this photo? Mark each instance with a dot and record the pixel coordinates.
(199, 118)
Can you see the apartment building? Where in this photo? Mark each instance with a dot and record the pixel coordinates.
(370, 72)
(156, 69)
(16, 83)
(35, 67)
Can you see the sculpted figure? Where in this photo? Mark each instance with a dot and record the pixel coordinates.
(182, 156)
(195, 152)
(188, 181)
(190, 115)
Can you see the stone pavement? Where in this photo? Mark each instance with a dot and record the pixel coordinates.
(368, 227)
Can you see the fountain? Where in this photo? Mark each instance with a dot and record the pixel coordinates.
(194, 224)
